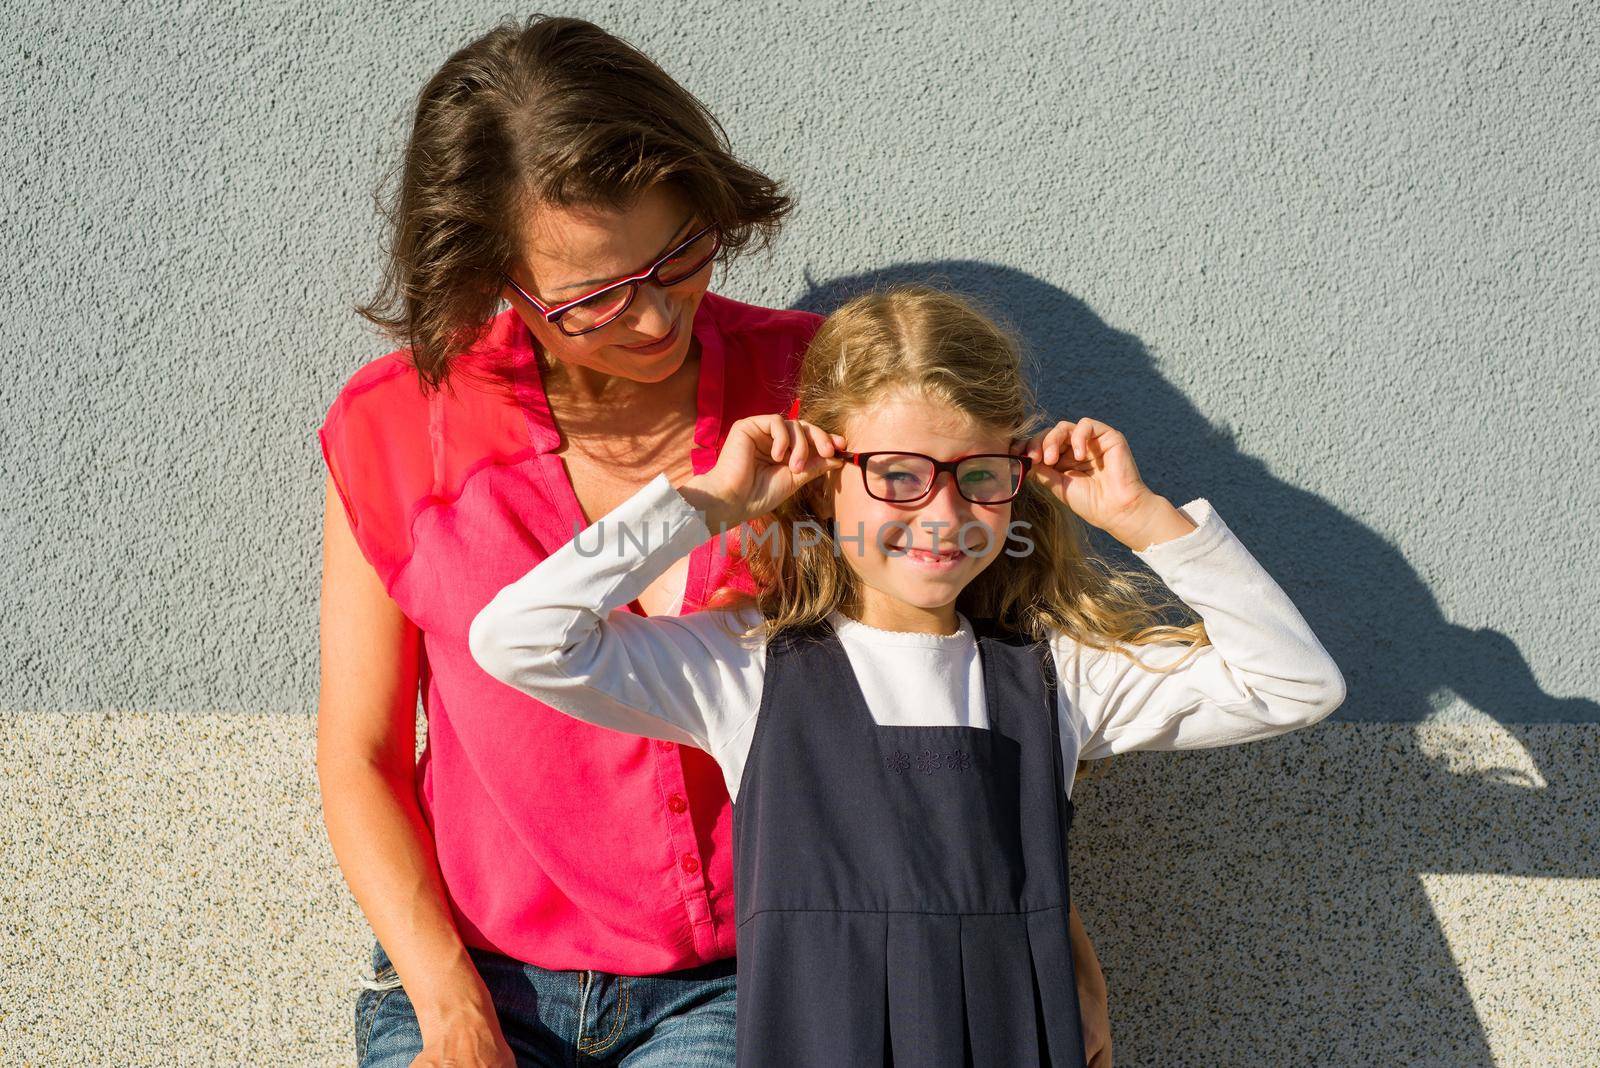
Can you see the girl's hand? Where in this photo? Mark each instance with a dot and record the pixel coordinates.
(765, 459)
(1089, 467)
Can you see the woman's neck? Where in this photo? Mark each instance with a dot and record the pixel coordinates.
(633, 420)
(583, 387)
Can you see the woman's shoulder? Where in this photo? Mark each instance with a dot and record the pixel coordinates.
(765, 348)
(390, 388)
(754, 320)
(376, 465)
(375, 404)
(391, 443)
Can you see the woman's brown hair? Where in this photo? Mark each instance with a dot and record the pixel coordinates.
(551, 111)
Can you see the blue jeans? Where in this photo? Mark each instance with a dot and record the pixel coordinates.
(569, 1019)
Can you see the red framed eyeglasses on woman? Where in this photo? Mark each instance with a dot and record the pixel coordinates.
(595, 309)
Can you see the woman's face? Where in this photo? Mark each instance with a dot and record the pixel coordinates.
(950, 539)
(567, 252)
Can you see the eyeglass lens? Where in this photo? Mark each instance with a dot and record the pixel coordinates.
(905, 477)
(604, 306)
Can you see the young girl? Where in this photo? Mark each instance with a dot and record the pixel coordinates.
(929, 645)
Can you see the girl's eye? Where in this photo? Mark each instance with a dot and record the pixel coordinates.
(900, 476)
(975, 477)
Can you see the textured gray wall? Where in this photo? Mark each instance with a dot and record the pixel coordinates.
(1331, 265)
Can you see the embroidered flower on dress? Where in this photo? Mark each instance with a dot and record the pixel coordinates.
(928, 761)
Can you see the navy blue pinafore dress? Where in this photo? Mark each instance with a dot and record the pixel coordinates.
(902, 891)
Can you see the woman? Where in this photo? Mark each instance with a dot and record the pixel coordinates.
(540, 889)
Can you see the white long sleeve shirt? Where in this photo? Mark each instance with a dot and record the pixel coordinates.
(557, 635)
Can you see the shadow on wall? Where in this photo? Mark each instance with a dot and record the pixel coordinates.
(1374, 614)
(1310, 933)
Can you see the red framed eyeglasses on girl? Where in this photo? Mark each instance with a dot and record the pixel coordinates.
(906, 477)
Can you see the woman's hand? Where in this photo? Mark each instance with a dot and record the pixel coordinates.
(765, 459)
(465, 1039)
(1089, 467)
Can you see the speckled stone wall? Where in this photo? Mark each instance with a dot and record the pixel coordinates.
(1354, 894)
(1330, 265)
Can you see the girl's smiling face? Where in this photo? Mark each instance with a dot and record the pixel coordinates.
(912, 560)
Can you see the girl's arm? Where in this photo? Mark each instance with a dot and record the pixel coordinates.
(1264, 673)
(556, 634)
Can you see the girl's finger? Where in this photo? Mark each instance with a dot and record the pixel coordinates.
(822, 440)
(757, 428)
(780, 438)
(800, 453)
(1080, 438)
(1054, 440)
(822, 467)
(818, 454)
(1105, 439)
(1050, 478)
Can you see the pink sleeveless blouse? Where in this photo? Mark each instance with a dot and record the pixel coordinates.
(562, 844)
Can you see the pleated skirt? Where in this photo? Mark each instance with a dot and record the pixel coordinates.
(909, 989)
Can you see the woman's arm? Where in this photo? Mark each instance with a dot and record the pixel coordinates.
(366, 755)
(1264, 673)
(556, 634)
